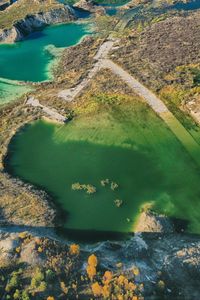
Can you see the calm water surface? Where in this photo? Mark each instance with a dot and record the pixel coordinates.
(28, 60)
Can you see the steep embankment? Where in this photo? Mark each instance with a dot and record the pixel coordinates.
(29, 23)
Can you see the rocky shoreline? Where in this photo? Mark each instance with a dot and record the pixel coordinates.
(31, 23)
(21, 203)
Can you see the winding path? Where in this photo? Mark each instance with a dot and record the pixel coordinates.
(71, 94)
(51, 112)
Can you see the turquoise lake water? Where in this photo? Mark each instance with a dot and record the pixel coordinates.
(10, 91)
(29, 60)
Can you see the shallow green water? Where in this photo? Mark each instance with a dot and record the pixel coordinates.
(29, 60)
(10, 91)
(132, 147)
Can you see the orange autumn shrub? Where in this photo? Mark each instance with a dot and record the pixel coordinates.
(110, 286)
(63, 287)
(91, 267)
(106, 291)
(99, 290)
(96, 289)
(126, 284)
(91, 271)
(74, 249)
(132, 286)
(121, 279)
(107, 277)
(92, 260)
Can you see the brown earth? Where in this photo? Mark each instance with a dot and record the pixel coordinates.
(164, 55)
(160, 48)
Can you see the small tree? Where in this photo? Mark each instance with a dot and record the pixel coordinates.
(96, 289)
(107, 277)
(92, 260)
(91, 267)
(74, 249)
(25, 295)
(91, 271)
(16, 295)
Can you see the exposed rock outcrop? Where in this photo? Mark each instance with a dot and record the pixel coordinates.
(10, 35)
(87, 5)
(90, 6)
(34, 22)
(150, 222)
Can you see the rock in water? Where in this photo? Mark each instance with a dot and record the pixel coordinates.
(151, 222)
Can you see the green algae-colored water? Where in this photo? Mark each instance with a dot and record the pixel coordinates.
(29, 60)
(125, 143)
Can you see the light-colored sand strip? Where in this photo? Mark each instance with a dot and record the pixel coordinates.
(12, 81)
(51, 112)
(157, 105)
